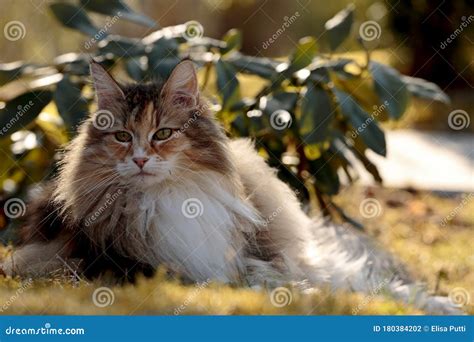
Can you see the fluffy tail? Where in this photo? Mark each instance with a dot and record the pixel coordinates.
(351, 260)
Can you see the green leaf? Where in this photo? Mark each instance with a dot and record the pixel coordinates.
(22, 110)
(327, 179)
(121, 46)
(233, 40)
(390, 88)
(163, 57)
(363, 124)
(427, 90)
(72, 106)
(227, 84)
(339, 26)
(317, 113)
(117, 8)
(73, 63)
(263, 67)
(74, 17)
(280, 100)
(10, 71)
(135, 69)
(303, 55)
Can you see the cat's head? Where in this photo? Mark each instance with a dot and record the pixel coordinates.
(150, 133)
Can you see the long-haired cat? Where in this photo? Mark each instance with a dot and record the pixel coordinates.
(151, 179)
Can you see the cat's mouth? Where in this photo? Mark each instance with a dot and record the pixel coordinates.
(144, 173)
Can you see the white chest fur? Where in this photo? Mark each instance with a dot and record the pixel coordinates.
(196, 228)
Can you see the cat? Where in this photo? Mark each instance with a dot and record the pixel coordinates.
(152, 179)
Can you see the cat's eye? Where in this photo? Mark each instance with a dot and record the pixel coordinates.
(123, 136)
(162, 134)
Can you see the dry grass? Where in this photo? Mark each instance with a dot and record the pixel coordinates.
(409, 225)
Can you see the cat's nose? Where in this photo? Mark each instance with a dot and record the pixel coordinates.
(140, 161)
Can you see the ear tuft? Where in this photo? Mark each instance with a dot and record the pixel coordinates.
(182, 86)
(107, 89)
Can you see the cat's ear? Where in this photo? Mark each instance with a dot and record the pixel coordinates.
(107, 89)
(182, 86)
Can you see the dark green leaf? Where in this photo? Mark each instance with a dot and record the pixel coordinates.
(121, 46)
(391, 89)
(363, 124)
(426, 90)
(22, 110)
(339, 27)
(10, 71)
(317, 113)
(163, 57)
(73, 63)
(74, 17)
(303, 55)
(135, 69)
(72, 106)
(117, 8)
(262, 67)
(233, 40)
(227, 84)
(327, 179)
(280, 100)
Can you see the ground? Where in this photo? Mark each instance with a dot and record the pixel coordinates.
(413, 225)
